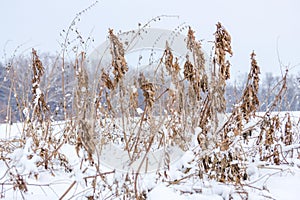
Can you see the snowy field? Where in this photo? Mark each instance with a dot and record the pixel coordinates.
(70, 177)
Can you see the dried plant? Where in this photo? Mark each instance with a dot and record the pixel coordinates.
(106, 81)
(172, 67)
(148, 111)
(288, 136)
(118, 61)
(250, 100)
(196, 75)
(195, 72)
(40, 107)
(222, 46)
(134, 97)
(84, 109)
(148, 91)
(215, 104)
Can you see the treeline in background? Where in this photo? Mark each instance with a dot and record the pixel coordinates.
(15, 86)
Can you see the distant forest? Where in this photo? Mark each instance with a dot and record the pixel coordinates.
(15, 89)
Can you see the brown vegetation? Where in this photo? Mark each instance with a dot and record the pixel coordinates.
(170, 117)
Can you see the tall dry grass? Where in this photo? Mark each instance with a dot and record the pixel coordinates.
(106, 112)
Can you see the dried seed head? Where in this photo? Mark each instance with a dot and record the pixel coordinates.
(106, 80)
(173, 68)
(38, 100)
(189, 72)
(148, 90)
(196, 73)
(288, 136)
(222, 46)
(255, 71)
(250, 101)
(118, 60)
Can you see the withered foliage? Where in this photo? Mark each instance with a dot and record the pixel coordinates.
(222, 46)
(250, 100)
(222, 65)
(107, 81)
(40, 107)
(245, 108)
(288, 135)
(19, 183)
(196, 73)
(267, 139)
(168, 59)
(148, 90)
(173, 107)
(189, 72)
(221, 167)
(118, 60)
(215, 104)
(84, 109)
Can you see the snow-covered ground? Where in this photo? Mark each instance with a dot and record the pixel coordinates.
(21, 178)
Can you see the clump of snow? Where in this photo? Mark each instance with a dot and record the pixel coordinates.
(139, 111)
(252, 171)
(38, 96)
(24, 160)
(198, 130)
(25, 111)
(161, 192)
(222, 190)
(187, 158)
(133, 89)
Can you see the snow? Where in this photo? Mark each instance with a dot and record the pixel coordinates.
(134, 89)
(265, 181)
(161, 192)
(38, 95)
(285, 185)
(139, 111)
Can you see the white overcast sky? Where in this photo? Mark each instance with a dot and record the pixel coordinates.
(261, 25)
